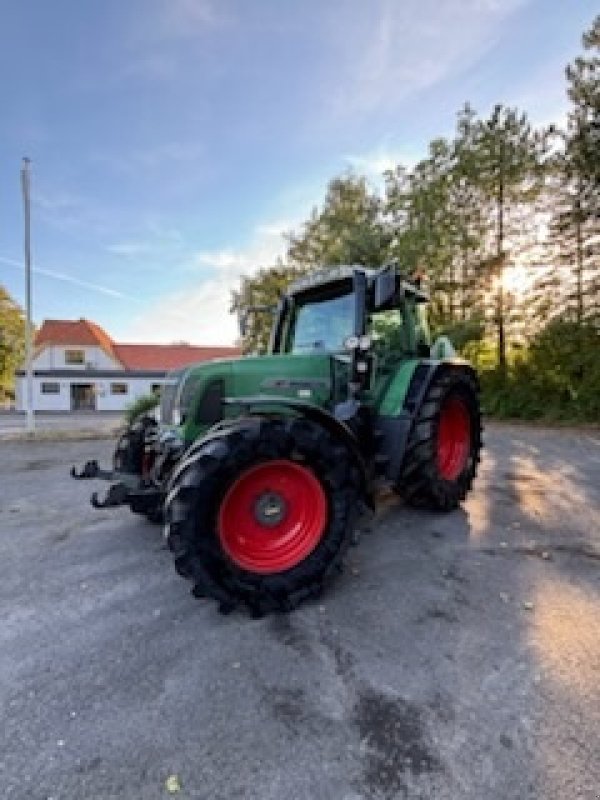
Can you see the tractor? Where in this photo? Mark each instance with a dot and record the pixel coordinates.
(259, 467)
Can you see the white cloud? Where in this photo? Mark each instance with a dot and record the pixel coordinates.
(200, 313)
(386, 50)
(373, 163)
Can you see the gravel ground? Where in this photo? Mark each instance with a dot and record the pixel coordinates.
(457, 657)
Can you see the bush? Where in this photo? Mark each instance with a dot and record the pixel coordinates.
(556, 379)
(142, 405)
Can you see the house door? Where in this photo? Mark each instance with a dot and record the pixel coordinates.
(83, 397)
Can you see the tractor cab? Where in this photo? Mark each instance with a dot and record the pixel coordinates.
(327, 310)
(365, 318)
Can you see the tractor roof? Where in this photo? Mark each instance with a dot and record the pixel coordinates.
(329, 275)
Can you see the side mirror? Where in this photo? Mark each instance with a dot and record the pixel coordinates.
(385, 287)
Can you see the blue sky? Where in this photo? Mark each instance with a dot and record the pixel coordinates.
(172, 141)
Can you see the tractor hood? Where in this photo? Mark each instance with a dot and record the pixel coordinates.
(193, 398)
(305, 377)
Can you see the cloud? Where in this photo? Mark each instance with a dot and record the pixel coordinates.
(200, 313)
(266, 246)
(61, 276)
(373, 163)
(388, 50)
(68, 211)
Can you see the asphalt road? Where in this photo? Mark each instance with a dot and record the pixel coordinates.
(457, 657)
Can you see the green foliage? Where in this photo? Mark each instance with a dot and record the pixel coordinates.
(262, 289)
(558, 378)
(142, 405)
(349, 229)
(462, 333)
(12, 341)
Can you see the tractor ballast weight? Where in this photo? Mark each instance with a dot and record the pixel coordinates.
(260, 465)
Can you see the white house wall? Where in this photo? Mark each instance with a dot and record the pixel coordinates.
(105, 400)
(137, 387)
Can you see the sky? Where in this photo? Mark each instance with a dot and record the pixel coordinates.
(174, 142)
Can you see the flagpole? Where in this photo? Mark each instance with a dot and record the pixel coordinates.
(25, 187)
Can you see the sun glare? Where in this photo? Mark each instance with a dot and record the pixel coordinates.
(517, 279)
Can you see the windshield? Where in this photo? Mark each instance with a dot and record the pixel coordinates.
(322, 323)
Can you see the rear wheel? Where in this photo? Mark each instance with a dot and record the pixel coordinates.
(261, 512)
(445, 443)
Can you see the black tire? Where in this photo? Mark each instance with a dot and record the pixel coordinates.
(200, 483)
(422, 480)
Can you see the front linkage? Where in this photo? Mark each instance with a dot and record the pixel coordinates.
(142, 463)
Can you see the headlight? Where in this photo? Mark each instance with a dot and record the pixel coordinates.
(351, 342)
(364, 342)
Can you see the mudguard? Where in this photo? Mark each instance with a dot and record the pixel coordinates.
(394, 429)
(316, 414)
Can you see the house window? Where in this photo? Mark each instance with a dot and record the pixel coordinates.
(74, 356)
(118, 388)
(156, 387)
(50, 388)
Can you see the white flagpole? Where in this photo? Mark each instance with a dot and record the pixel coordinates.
(25, 186)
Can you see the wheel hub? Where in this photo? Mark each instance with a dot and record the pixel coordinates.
(272, 516)
(270, 509)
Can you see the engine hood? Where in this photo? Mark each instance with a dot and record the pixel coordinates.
(305, 377)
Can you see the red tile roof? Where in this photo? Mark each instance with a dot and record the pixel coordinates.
(160, 357)
(72, 332)
(169, 356)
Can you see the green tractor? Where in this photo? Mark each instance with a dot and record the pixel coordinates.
(259, 467)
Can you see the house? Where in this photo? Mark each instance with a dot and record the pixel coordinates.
(77, 366)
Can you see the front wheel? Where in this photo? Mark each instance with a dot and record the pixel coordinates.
(444, 446)
(262, 511)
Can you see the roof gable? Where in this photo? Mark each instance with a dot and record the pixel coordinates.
(74, 333)
(158, 357)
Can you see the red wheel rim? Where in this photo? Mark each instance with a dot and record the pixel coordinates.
(454, 438)
(272, 517)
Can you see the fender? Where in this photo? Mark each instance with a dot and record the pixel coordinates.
(316, 414)
(395, 429)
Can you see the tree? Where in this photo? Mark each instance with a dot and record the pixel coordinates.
(262, 289)
(425, 226)
(12, 341)
(576, 223)
(349, 229)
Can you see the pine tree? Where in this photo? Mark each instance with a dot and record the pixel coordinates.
(576, 223)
